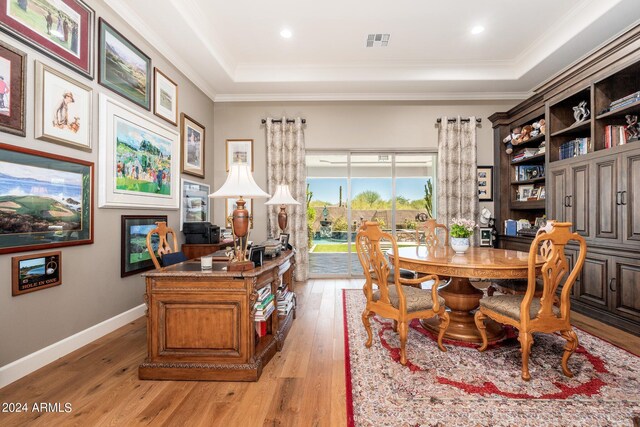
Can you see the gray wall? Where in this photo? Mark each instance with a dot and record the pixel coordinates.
(92, 290)
(343, 125)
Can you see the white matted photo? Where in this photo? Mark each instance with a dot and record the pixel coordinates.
(195, 202)
(165, 99)
(239, 151)
(192, 143)
(63, 111)
(139, 160)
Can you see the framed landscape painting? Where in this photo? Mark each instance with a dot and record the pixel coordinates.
(134, 255)
(195, 202)
(12, 89)
(139, 160)
(123, 68)
(62, 29)
(63, 109)
(46, 200)
(192, 147)
(239, 151)
(165, 97)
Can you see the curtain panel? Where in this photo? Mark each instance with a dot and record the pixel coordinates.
(457, 170)
(286, 165)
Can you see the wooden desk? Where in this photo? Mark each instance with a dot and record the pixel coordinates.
(459, 295)
(200, 325)
(196, 250)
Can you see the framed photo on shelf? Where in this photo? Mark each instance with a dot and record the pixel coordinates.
(64, 113)
(49, 195)
(12, 89)
(485, 236)
(139, 166)
(284, 240)
(195, 202)
(524, 192)
(534, 194)
(230, 206)
(134, 255)
(61, 29)
(122, 67)
(485, 183)
(192, 143)
(542, 194)
(540, 222)
(239, 151)
(30, 273)
(165, 97)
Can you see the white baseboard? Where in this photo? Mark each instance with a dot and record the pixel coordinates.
(34, 361)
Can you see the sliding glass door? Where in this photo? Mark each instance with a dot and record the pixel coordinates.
(345, 189)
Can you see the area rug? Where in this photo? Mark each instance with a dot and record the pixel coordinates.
(464, 387)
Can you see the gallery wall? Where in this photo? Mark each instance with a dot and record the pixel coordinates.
(343, 126)
(92, 290)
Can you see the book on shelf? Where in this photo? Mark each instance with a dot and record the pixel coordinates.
(614, 135)
(263, 314)
(261, 328)
(575, 147)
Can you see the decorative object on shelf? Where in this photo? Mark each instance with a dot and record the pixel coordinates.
(459, 233)
(139, 159)
(34, 272)
(633, 128)
(12, 89)
(192, 143)
(508, 145)
(165, 97)
(486, 236)
(543, 126)
(485, 216)
(524, 134)
(284, 241)
(581, 112)
(64, 112)
(134, 255)
(536, 129)
(62, 30)
(540, 222)
(123, 68)
(283, 198)
(194, 202)
(240, 183)
(51, 196)
(485, 183)
(239, 151)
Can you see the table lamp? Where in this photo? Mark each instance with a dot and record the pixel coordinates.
(239, 184)
(282, 197)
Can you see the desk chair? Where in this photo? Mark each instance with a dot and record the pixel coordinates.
(168, 254)
(400, 300)
(529, 313)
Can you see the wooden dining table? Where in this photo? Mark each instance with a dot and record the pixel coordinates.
(461, 297)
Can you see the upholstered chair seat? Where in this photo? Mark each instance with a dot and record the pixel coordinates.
(509, 306)
(416, 299)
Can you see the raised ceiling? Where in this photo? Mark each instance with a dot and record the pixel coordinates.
(234, 51)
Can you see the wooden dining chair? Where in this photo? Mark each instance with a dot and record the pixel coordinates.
(430, 231)
(164, 247)
(530, 314)
(401, 300)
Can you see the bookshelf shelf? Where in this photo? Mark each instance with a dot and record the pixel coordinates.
(574, 129)
(631, 108)
(533, 142)
(529, 181)
(535, 159)
(530, 204)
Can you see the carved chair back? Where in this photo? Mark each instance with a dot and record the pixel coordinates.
(430, 229)
(163, 243)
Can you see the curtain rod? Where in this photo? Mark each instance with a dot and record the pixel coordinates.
(478, 120)
(304, 121)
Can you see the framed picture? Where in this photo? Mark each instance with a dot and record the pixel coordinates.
(138, 160)
(123, 68)
(192, 143)
(542, 194)
(63, 109)
(256, 254)
(61, 29)
(34, 272)
(524, 192)
(12, 89)
(134, 255)
(284, 240)
(230, 206)
(239, 151)
(46, 200)
(195, 202)
(165, 97)
(540, 222)
(534, 194)
(485, 236)
(485, 183)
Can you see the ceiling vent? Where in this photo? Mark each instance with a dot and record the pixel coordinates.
(378, 40)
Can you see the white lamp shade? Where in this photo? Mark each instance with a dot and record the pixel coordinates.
(239, 183)
(282, 197)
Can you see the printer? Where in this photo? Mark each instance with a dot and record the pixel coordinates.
(201, 233)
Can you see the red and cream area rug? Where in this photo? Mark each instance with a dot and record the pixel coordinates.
(464, 387)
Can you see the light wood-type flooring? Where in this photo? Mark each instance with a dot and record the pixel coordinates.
(303, 385)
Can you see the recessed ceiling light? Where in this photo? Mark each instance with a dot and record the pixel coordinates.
(286, 33)
(477, 29)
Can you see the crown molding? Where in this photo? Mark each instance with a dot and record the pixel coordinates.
(315, 97)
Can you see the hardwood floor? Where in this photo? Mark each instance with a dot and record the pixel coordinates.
(302, 385)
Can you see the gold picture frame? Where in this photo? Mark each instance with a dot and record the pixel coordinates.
(239, 151)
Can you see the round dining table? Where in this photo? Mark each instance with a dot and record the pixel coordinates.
(461, 297)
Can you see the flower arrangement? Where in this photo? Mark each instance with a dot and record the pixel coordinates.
(462, 227)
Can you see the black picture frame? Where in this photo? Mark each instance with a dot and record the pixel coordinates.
(485, 183)
(284, 240)
(256, 254)
(132, 258)
(486, 236)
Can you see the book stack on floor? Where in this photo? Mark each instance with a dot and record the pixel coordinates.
(264, 307)
(286, 300)
(575, 147)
